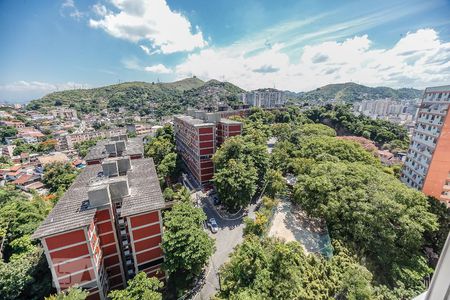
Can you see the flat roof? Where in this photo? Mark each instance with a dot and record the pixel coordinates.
(134, 146)
(228, 121)
(442, 88)
(68, 214)
(193, 121)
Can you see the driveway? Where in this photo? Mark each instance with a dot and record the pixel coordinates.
(229, 235)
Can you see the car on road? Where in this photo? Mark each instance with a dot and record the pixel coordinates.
(216, 200)
(212, 224)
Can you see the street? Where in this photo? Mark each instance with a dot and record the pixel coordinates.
(228, 236)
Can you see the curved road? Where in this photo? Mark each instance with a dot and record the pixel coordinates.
(229, 235)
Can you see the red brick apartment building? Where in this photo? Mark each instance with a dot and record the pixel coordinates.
(198, 135)
(106, 227)
(427, 165)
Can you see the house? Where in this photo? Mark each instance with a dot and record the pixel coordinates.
(27, 182)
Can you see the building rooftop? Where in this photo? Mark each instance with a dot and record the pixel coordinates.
(193, 121)
(228, 121)
(134, 146)
(441, 88)
(73, 211)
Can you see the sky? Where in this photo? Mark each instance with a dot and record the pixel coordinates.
(296, 45)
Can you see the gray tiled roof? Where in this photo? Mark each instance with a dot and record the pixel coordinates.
(145, 195)
(134, 146)
(145, 191)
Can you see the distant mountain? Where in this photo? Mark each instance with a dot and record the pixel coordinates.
(144, 97)
(351, 92)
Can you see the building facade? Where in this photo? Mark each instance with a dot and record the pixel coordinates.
(106, 228)
(266, 98)
(197, 137)
(427, 165)
(68, 142)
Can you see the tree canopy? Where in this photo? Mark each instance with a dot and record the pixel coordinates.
(271, 269)
(59, 176)
(186, 245)
(139, 288)
(373, 213)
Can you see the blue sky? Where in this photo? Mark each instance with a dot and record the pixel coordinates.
(295, 45)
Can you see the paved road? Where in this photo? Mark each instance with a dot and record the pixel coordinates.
(228, 236)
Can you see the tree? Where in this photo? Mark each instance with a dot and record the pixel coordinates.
(322, 148)
(139, 288)
(186, 245)
(168, 166)
(72, 293)
(84, 147)
(59, 176)
(436, 239)
(26, 277)
(236, 183)
(7, 131)
(372, 212)
(271, 269)
(243, 149)
(275, 183)
(305, 131)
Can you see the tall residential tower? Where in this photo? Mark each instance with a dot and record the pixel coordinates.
(427, 165)
(108, 225)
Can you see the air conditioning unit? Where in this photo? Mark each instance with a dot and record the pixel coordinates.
(110, 168)
(99, 195)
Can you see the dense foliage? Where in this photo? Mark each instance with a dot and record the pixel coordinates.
(374, 214)
(161, 148)
(24, 273)
(343, 120)
(241, 164)
(59, 176)
(7, 131)
(271, 269)
(351, 92)
(186, 245)
(41, 147)
(83, 147)
(139, 288)
(160, 99)
(71, 293)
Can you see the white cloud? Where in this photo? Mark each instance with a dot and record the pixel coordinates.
(149, 20)
(159, 68)
(149, 51)
(26, 90)
(70, 8)
(418, 59)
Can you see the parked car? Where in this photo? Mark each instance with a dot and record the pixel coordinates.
(212, 224)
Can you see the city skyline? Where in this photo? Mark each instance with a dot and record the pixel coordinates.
(297, 46)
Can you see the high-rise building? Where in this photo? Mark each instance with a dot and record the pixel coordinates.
(427, 165)
(264, 98)
(198, 135)
(106, 227)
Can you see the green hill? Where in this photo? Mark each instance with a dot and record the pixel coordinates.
(351, 92)
(144, 97)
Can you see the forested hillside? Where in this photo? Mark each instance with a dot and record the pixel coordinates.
(355, 92)
(145, 97)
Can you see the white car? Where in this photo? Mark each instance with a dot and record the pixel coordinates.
(212, 224)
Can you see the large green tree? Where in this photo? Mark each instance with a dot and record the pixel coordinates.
(375, 214)
(271, 269)
(186, 245)
(59, 176)
(71, 293)
(140, 287)
(236, 183)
